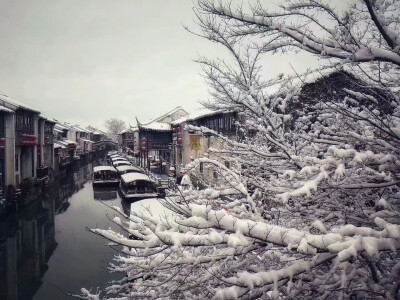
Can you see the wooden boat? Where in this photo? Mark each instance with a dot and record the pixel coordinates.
(112, 154)
(119, 158)
(128, 169)
(105, 176)
(111, 157)
(135, 186)
(121, 163)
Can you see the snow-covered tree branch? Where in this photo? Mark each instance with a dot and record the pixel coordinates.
(313, 211)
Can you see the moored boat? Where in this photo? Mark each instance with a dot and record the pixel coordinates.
(128, 169)
(105, 176)
(118, 158)
(134, 186)
(121, 163)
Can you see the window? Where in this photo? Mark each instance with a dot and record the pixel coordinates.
(201, 166)
(16, 163)
(227, 164)
(24, 121)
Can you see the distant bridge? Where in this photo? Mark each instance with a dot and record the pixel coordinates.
(105, 143)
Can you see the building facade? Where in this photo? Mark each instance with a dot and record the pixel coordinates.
(190, 143)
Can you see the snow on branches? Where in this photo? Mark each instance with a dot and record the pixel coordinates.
(313, 208)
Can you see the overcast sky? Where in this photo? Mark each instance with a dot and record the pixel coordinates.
(84, 61)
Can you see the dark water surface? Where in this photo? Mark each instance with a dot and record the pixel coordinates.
(46, 249)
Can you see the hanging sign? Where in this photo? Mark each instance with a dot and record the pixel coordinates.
(195, 142)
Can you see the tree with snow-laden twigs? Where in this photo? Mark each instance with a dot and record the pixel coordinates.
(313, 208)
(114, 127)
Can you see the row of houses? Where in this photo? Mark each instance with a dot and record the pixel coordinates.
(168, 144)
(167, 141)
(31, 144)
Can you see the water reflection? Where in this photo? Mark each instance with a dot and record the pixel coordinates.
(102, 194)
(27, 239)
(45, 247)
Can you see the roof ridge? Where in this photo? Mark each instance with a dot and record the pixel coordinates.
(162, 116)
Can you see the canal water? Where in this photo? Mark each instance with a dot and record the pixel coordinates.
(46, 251)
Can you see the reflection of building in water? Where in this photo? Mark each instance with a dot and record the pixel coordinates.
(126, 206)
(105, 193)
(61, 192)
(27, 241)
(82, 175)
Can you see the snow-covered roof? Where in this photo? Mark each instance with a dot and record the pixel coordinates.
(57, 145)
(127, 168)
(16, 103)
(197, 114)
(157, 126)
(66, 142)
(169, 113)
(61, 126)
(86, 140)
(130, 177)
(57, 130)
(133, 129)
(104, 168)
(70, 126)
(49, 120)
(121, 162)
(5, 109)
(118, 158)
(81, 129)
(123, 131)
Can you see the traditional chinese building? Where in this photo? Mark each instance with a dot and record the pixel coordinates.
(190, 143)
(154, 140)
(126, 140)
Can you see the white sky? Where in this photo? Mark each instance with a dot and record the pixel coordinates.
(84, 61)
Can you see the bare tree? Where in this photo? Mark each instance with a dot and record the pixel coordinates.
(114, 127)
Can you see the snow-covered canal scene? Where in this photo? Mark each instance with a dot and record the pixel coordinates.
(205, 149)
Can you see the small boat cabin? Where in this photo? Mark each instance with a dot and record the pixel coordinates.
(121, 163)
(105, 176)
(128, 169)
(137, 186)
(113, 159)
